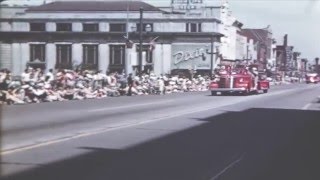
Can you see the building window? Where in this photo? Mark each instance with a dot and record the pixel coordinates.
(37, 27)
(117, 54)
(64, 56)
(199, 27)
(118, 27)
(92, 27)
(37, 52)
(90, 56)
(148, 53)
(64, 27)
(193, 27)
(146, 27)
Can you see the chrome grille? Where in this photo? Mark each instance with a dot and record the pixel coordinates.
(224, 82)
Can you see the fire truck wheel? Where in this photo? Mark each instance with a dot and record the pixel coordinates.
(213, 93)
(265, 91)
(255, 92)
(246, 92)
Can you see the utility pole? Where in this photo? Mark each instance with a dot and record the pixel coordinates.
(127, 22)
(211, 55)
(140, 40)
(285, 44)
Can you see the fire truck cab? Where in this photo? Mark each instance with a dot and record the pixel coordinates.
(241, 79)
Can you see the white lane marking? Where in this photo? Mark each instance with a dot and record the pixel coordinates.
(122, 126)
(227, 168)
(129, 106)
(306, 107)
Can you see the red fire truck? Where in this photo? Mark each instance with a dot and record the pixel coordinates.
(239, 80)
(312, 78)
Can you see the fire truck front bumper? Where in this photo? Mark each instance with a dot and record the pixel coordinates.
(228, 89)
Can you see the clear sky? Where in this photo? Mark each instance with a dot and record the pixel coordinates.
(300, 19)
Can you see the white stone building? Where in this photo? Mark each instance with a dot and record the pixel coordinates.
(8, 11)
(91, 34)
(241, 46)
(233, 44)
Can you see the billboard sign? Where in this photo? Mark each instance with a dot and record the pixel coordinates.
(194, 6)
(190, 57)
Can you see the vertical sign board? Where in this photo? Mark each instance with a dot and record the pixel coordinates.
(289, 56)
(190, 57)
(281, 57)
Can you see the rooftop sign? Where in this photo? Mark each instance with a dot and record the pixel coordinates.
(187, 5)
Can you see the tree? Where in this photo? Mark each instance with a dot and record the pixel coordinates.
(317, 68)
(317, 61)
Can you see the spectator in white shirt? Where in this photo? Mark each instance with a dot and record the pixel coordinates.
(50, 76)
(25, 76)
(161, 85)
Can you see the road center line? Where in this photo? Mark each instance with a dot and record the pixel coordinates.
(306, 107)
(227, 168)
(129, 106)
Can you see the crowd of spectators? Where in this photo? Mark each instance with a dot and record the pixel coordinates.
(35, 86)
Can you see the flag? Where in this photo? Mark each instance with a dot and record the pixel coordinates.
(152, 44)
(129, 43)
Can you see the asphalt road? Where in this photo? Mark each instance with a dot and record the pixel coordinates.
(173, 137)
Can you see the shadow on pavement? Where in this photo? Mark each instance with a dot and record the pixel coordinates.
(254, 144)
